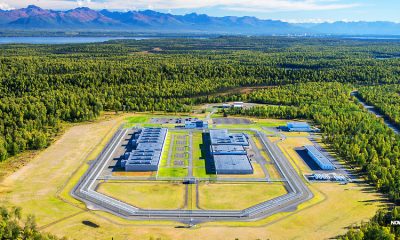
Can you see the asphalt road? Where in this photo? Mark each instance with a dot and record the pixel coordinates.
(373, 110)
(298, 192)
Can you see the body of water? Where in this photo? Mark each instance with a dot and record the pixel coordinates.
(63, 40)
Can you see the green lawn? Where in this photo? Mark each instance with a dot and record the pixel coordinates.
(235, 196)
(172, 170)
(199, 165)
(146, 195)
(164, 157)
(138, 119)
(178, 172)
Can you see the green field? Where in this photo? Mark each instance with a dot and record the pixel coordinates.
(199, 161)
(47, 197)
(171, 148)
(147, 195)
(225, 196)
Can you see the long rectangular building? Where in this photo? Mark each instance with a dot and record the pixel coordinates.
(299, 127)
(228, 152)
(148, 144)
(322, 161)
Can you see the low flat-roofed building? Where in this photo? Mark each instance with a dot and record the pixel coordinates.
(322, 161)
(222, 137)
(228, 150)
(238, 104)
(142, 160)
(196, 124)
(148, 144)
(299, 127)
(232, 164)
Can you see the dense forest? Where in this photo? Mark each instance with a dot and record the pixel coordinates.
(359, 137)
(385, 98)
(356, 135)
(43, 86)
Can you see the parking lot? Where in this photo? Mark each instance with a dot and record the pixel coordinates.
(171, 120)
(231, 121)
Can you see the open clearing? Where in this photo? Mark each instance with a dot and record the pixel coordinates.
(35, 186)
(146, 195)
(237, 195)
(45, 195)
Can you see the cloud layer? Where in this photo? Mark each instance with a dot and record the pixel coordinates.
(232, 5)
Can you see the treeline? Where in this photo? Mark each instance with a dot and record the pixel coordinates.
(385, 98)
(379, 227)
(359, 137)
(12, 226)
(43, 85)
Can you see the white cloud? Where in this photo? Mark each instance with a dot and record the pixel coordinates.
(5, 6)
(309, 20)
(287, 5)
(235, 5)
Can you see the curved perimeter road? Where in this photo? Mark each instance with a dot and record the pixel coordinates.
(298, 192)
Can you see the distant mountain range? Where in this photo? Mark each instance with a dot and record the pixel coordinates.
(36, 18)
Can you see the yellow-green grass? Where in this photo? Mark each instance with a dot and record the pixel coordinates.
(172, 170)
(146, 195)
(134, 174)
(143, 119)
(164, 157)
(258, 143)
(304, 224)
(341, 206)
(36, 187)
(288, 146)
(273, 171)
(177, 172)
(192, 199)
(296, 134)
(138, 119)
(274, 139)
(199, 164)
(235, 196)
(64, 193)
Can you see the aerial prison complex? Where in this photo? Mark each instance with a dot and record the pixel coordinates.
(147, 145)
(228, 152)
(322, 161)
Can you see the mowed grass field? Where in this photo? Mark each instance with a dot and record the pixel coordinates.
(147, 195)
(35, 187)
(42, 188)
(171, 148)
(236, 196)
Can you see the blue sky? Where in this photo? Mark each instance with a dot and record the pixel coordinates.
(288, 10)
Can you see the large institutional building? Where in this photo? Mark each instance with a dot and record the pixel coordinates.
(322, 161)
(196, 124)
(299, 127)
(228, 152)
(148, 144)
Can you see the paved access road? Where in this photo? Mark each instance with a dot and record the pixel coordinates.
(373, 110)
(298, 192)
